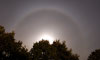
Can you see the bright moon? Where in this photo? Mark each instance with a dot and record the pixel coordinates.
(47, 37)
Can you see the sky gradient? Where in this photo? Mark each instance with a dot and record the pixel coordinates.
(77, 22)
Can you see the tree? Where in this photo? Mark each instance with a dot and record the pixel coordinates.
(42, 50)
(9, 48)
(62, 51)
(95, 55)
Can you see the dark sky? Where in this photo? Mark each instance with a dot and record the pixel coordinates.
(76, 21)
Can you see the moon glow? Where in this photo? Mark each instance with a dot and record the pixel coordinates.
(49, 25)
(47, 37)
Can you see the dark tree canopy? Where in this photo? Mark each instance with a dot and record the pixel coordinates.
(9, 48)
(95, 55)
(42, 50)
(62, 51)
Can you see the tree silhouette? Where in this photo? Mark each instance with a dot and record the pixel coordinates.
(9, 48)
(95, 55)
(62, 51)
(42, 50)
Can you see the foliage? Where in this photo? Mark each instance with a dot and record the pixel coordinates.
(95, 55)
(42, 50)
(9, 48)
(62, 51)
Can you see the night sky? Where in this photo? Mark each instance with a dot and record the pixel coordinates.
(76, 21)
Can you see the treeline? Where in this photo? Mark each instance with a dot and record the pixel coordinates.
(10, 49)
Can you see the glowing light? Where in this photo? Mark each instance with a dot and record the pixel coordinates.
(47, 37)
